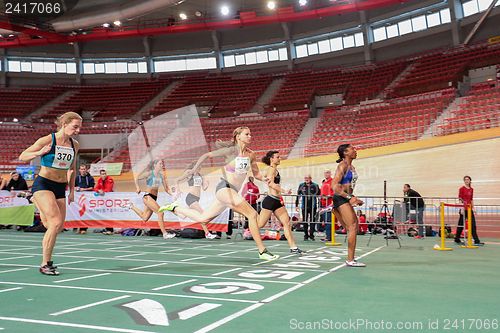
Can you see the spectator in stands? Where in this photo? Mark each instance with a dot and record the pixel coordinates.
(239, 161)
(326, 200)
(362, 225)
(466, 196)
(196, 182)
(17, 182)
(58, 152)
(252, 194)
(84, 182)
(105, 184)
(307, 196)
(413, 201)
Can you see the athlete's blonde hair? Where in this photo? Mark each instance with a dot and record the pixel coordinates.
(66, 118)
(225, 144)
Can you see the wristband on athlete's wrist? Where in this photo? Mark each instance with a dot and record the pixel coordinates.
(348, 197)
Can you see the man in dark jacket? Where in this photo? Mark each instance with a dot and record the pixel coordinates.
(413, 201)
(307, 195)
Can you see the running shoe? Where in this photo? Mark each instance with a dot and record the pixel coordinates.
(354, 263)
(169, 235)
(210, 236)
(296, 250)
(479, 244)
(169, 207)
(266, 255)
(49, 269)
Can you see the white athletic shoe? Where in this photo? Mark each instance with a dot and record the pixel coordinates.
(169, 235)
(354, 263)
(266, 255)
(210, 236)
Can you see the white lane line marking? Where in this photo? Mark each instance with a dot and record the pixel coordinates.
(21, 257)
(173, 285)
(131, 292)
(148, 266)
(82, 277)
(119, 247)
(56, 323)
(75, 262)
(10, 289)
(228, 253)
(190, 259)
(166, 274)
(284, 292)
(129, 255)
(172, 250)
(228, 271)
(14, 270)
(201, 246)
(71, 252)
(199, 309)
(89, 305)
(229, 318)
(272, 298)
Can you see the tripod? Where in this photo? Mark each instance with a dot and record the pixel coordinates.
(384, 212)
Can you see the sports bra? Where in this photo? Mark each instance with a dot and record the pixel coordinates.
(59, 157)
(350, 177)
(240, 165)
(195, 180)
(154, 180)
(277, 178)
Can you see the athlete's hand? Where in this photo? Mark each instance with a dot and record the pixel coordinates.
(71, 197)
(44, 150)
(354, 201)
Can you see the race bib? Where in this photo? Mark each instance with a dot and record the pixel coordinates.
(242, 164)
(63, 157)
(197, 181)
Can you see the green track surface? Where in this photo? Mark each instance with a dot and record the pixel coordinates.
(410, 289)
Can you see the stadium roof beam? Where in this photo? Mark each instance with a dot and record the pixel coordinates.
(29, 31)
(480, 22)
(246, 19)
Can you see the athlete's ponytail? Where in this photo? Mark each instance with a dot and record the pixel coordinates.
(341, 151)
(231, 143)
(267, 158)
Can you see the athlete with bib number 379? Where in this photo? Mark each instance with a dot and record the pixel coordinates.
(239, 161)
(58, 152)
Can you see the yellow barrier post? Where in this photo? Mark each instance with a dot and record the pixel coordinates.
(332, 228)
(443, 231)
(469, 230)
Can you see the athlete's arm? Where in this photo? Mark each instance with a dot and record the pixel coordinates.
(255, 168)
(165, 182)
(211, 154)
(40, 147)
(270, 174)
(205, 184)
(72, 174)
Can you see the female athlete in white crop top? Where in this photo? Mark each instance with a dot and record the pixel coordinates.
(240, 160)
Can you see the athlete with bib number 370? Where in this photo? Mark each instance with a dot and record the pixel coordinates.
(58, 152)
(239, 161)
